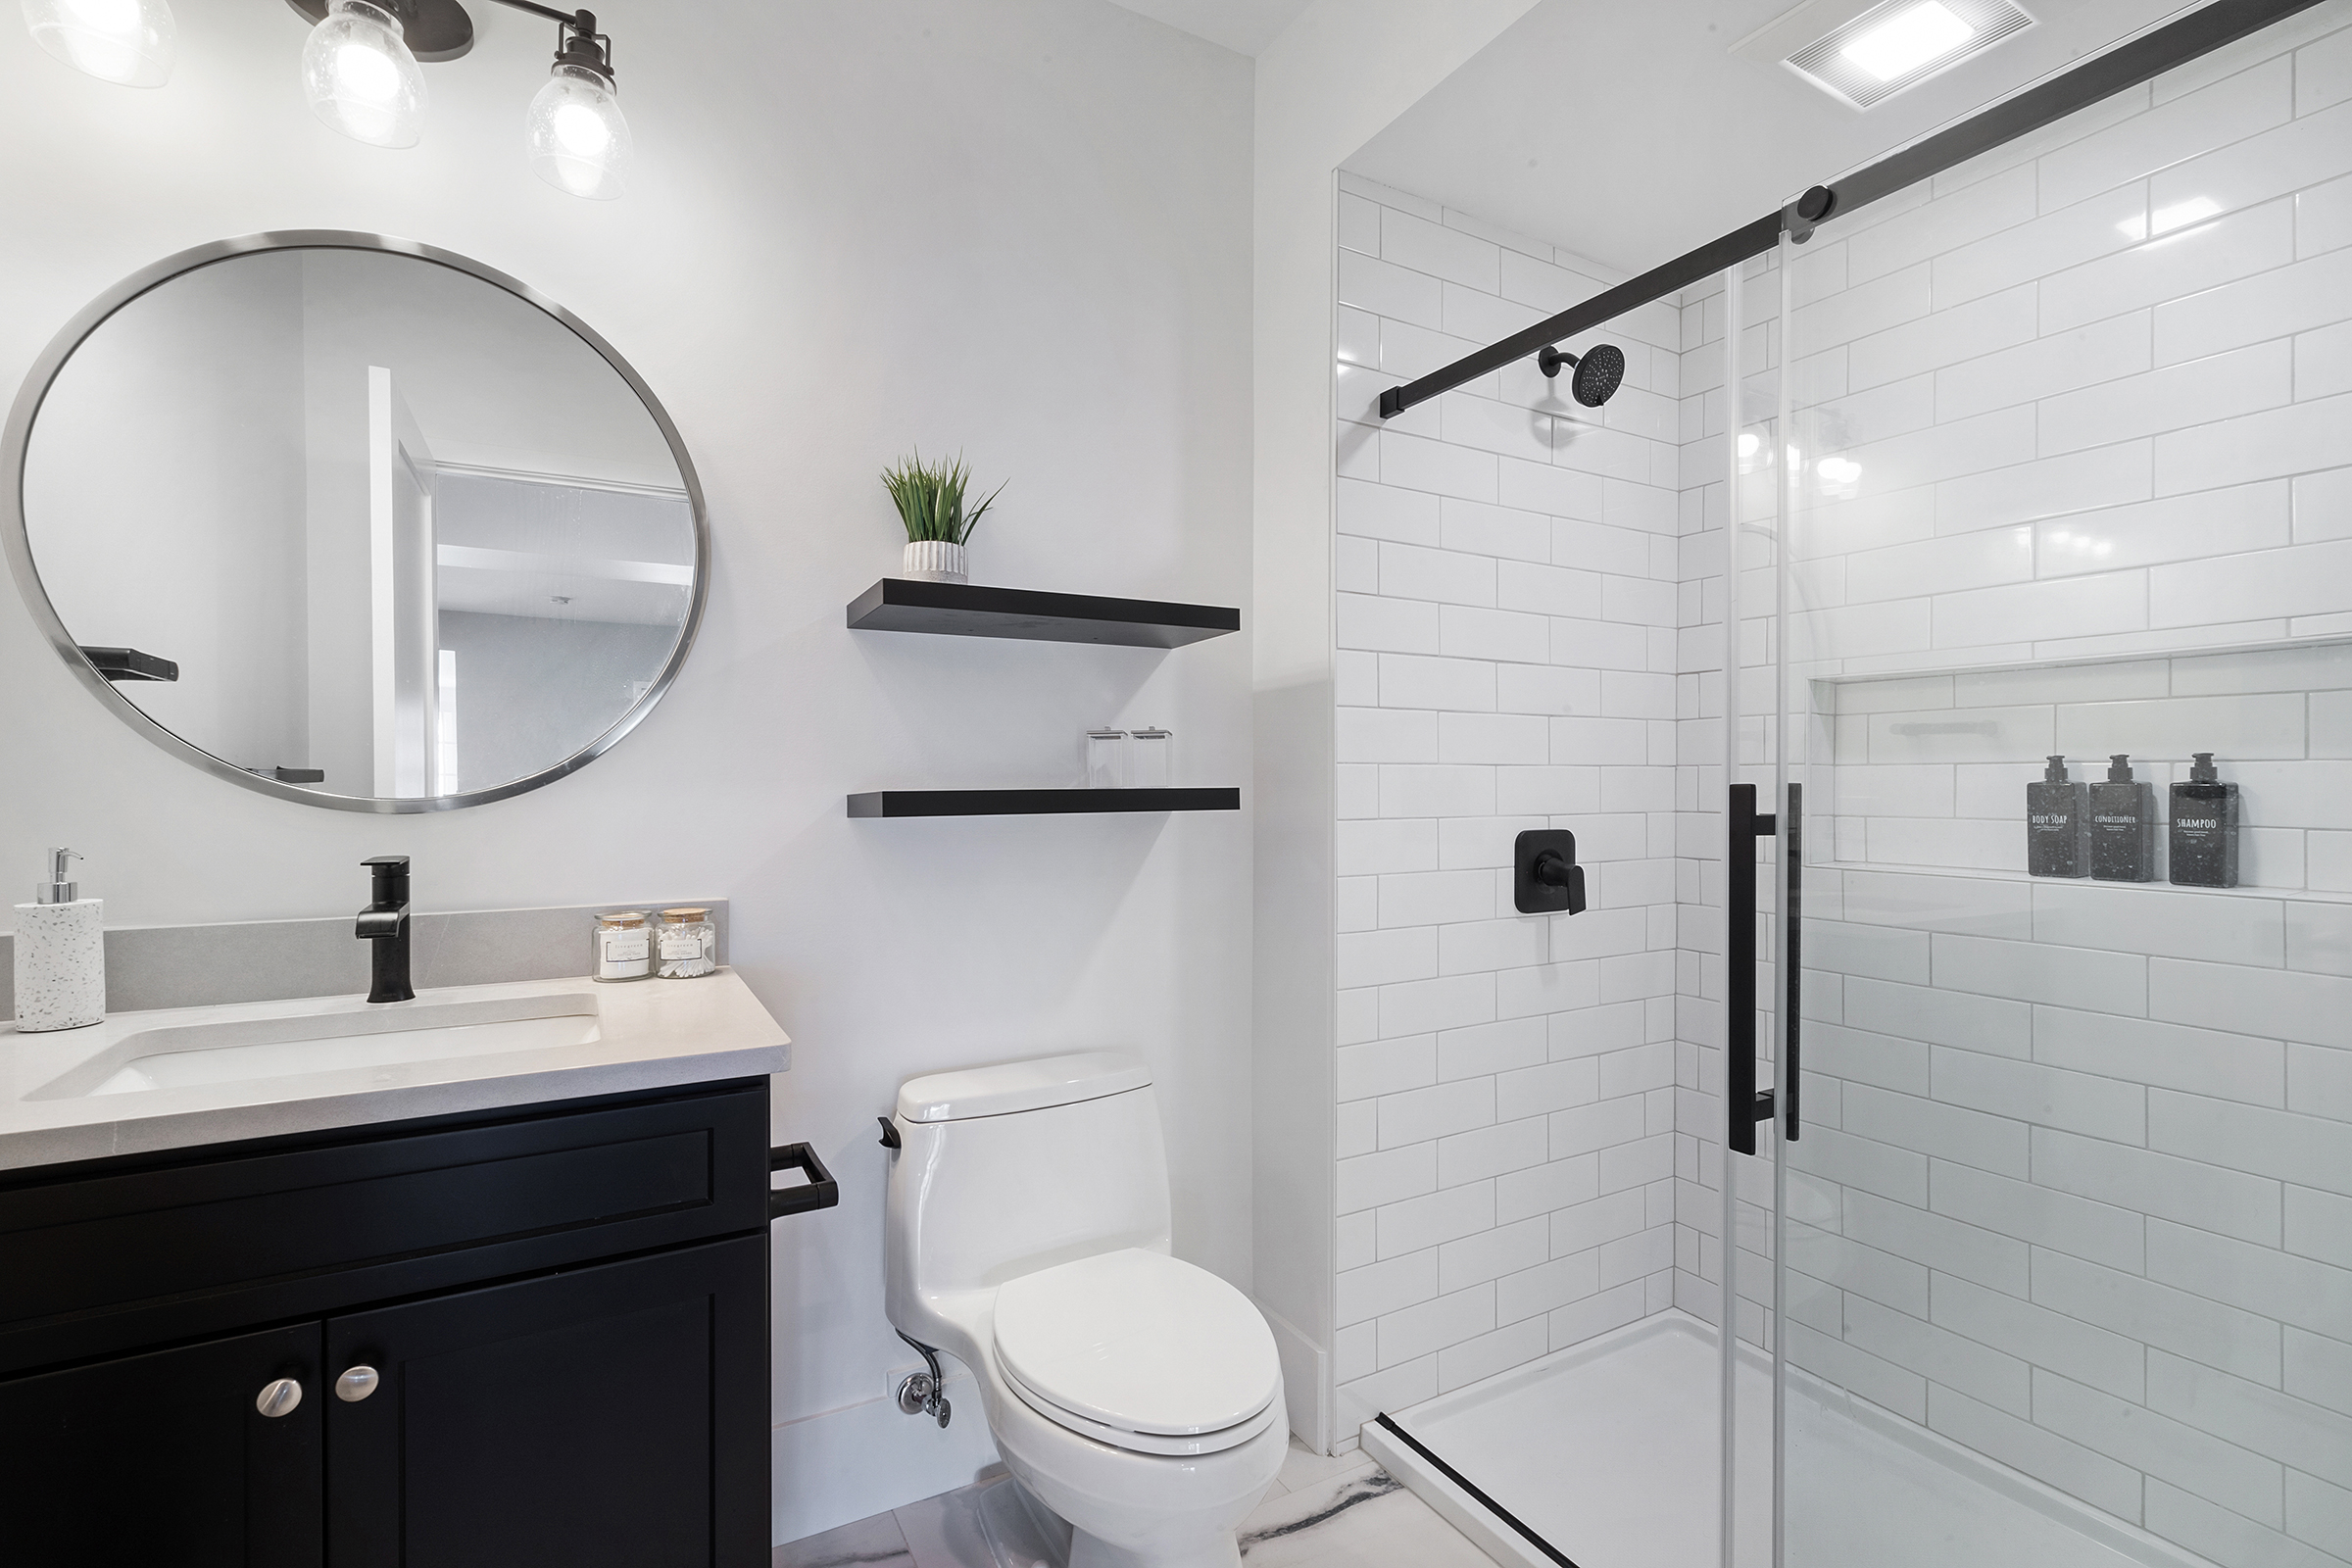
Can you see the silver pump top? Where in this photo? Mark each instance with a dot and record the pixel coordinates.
(57, 890)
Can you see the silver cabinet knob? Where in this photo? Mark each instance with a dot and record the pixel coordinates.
(355, 1384)
(278, 1397)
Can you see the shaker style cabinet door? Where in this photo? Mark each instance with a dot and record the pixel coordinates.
(206, 1457)
(614, 1416)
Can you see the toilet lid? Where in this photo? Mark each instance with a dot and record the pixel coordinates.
(1137, 1342)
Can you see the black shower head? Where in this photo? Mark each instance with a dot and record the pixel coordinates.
(1599, 373)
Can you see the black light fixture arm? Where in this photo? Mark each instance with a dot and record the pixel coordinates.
(578, 42)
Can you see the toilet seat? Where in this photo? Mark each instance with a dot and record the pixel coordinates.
(1140, 1350)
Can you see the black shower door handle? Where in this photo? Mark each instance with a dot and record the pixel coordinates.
(1792, 964)
(1743, 1103)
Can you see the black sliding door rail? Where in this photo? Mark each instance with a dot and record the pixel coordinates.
(2144, 58)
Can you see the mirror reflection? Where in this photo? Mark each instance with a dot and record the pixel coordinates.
(383, 528)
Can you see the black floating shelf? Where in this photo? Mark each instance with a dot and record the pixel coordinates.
(1037, 803)
(969, 610)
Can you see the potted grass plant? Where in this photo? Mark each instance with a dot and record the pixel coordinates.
(931, 497)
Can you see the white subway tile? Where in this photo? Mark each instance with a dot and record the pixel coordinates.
(1414, 1223)
(1352, 1248)
(2095, 1478)
(1954, 1360)
(1469, 633)
(2288, 299)
(2275, 162)
(2319, 1369)
(1882, 953)
(2312, 1150)
(1935, 1128)
(1978, 735)
(2304, 1436)
(2049, 1097)
(1546, 1286)
(1579, 1321)
(1995, 1023)
(1376, 624)
(2160, 1447)
(1426, 247)
(1512, 1344)
(1357, 1124)
(1556, 492)
(1411, 571)
(1473, 526)
(1436, 791)
(2080, 357)
(1431, 897)
(1851, 1367)
(2225, 1535)
(2190, 527)
(1387, 1286)
(1382, 512)
(2319, 1081)
(1946, 336)
(1387, 289)
(2158, 1184)
(2066, 977)
(2078, 481)
(2319, 936)
(1386, 735)
(1974, 559)
(1555, 1184)
(2236, 107)
(1364, 848)
(2256, 446)
(2289, 1006)
(1863, 309)
(1513, 942)
(2185, 393)
(1415, 464)
(2100, 1233)
(1374, 958)
(1937, 1242)
(2184, 261)
(1459, 685)
(1386, 1066)
(2201, 1062)
(1483, 1152)
(1370, 1180)
(1418, 1007)
(2180, 1320)
(2324, 218)
(2180, 925)
(2299, 1291)
(1521, 739)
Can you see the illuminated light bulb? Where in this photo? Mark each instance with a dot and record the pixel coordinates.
(1749, 443)
(576, 135)
(359, 77)
(1908, 41)
(129, 42)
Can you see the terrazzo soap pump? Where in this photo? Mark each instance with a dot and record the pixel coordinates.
(60, 955)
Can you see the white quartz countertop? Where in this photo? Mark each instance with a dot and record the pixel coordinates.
(651, 1034)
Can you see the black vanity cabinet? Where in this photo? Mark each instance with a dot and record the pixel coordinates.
(528, 1335)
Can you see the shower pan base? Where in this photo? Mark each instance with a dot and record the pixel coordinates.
(1609, 1452)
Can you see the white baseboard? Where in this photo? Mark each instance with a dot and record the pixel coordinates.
(847, 1464)
(1304, 1369)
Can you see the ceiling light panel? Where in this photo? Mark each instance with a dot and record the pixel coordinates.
(1901, 43)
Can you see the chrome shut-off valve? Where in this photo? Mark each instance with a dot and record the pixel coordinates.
(925, 1393)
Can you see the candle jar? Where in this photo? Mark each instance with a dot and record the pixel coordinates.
(1147, 759)
(1106, 756)
(621, 947)
(686, 948)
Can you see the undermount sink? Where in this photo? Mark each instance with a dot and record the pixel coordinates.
(333, 1038)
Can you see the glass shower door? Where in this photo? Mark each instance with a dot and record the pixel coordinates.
(2060, 734)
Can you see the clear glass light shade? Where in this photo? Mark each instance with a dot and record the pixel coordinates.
(578, 140)
(125, 41)
(359, 77)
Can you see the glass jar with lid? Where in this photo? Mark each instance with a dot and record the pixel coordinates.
(686, 948)
(621, 947)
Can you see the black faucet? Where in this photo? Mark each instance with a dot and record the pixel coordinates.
(385, 922)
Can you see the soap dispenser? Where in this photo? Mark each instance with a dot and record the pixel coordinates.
(2056, 824)
(2204, 833)
(2122, 826)
(60, 955)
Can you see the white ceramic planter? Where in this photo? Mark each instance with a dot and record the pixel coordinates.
(934, 560)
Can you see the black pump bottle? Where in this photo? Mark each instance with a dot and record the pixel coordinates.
(2056, 825)
(2204, 833)
(2122, 826)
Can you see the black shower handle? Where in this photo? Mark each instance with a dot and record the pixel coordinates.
(1744, 1103)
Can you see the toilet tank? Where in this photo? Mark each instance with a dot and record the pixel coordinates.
(1005, 1170)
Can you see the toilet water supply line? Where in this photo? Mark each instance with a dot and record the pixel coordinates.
(919, 1392)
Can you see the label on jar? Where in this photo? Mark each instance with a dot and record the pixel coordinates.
(627, 947)
(681, 945)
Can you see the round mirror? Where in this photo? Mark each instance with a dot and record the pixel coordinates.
(355, 521)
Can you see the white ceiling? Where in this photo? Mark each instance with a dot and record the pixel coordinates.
(1244, 26)
(1632, 133)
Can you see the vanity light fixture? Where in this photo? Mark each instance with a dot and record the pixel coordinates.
(125, 41)
(361, 75)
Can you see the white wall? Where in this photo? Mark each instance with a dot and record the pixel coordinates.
(1342, 70)
(1507, 592)
(1020, 229)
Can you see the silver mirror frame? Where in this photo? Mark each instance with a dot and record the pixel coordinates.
(17, 543)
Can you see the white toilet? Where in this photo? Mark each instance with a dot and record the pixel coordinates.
(1137, 1396)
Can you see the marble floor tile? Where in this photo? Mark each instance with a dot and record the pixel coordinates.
(1362, 1518)
(1303, 1466)
(875, 1542)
